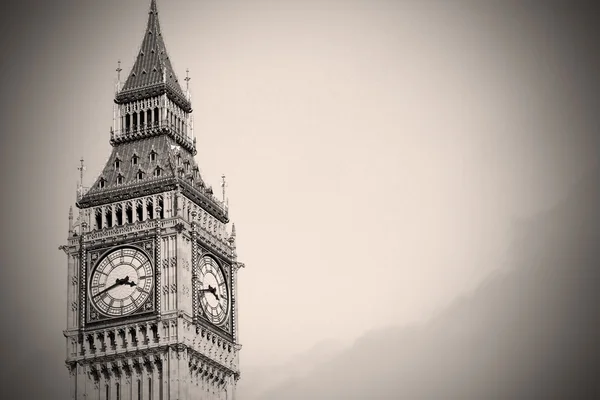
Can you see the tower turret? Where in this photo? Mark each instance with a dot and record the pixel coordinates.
(152, 274)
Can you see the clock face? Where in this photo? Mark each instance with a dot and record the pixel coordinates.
(121, 282)
(213, 294)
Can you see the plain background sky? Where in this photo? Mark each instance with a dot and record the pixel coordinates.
(377, 152)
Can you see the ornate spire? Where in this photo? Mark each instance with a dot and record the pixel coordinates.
(70, 221)
(152, 73)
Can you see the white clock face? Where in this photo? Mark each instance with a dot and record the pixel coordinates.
(213, 294)
(121, 282)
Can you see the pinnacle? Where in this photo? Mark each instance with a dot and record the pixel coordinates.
(152, 72)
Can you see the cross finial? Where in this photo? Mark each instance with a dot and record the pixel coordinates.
(187, 79)
(223, 185)
(119, 70)
(81, 168)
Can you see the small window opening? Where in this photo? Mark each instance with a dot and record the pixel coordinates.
(140, 175)
(117, 163)
(119, 215)
(120, 180)
(102, 183)
(129, 214)
(157, 172)
(99, 218)
(162, 208)
(149, 209)
(134, 160)
(139, 210)
(153, 156)
(109, 215)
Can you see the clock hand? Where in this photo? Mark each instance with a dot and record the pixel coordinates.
(124, 281)
(108, 288)
(212, 290)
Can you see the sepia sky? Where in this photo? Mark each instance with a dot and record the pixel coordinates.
(377, 153)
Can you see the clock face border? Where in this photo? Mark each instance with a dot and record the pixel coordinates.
(224, 323)
(95, 257)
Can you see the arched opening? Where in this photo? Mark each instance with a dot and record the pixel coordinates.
(139, 211)
(135, 121)
(109, 215)
(98, 216)
(149, 208)
(149, 117)
(127, 123)
(155, 115)
(128, 213)
(119, 215)
(142, 119)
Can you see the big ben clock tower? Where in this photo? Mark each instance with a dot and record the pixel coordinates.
(152, 265)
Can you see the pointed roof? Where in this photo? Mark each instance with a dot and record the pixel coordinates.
(152, 73)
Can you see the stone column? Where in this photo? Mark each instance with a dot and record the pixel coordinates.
(103, 209)
(144, 210)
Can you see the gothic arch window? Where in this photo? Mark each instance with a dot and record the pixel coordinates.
(109, 217)
(134, 159)
(139, 175)
(119, 215)
(120, 179)
(157, 172)
(127, 122)
(153, 155)
(128, 213)
(139, 210)
(98, 215)
(155, 115)
(149, 208)
(117, 163)
(102, 183)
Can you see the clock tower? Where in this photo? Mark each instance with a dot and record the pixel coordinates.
(152, 265)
